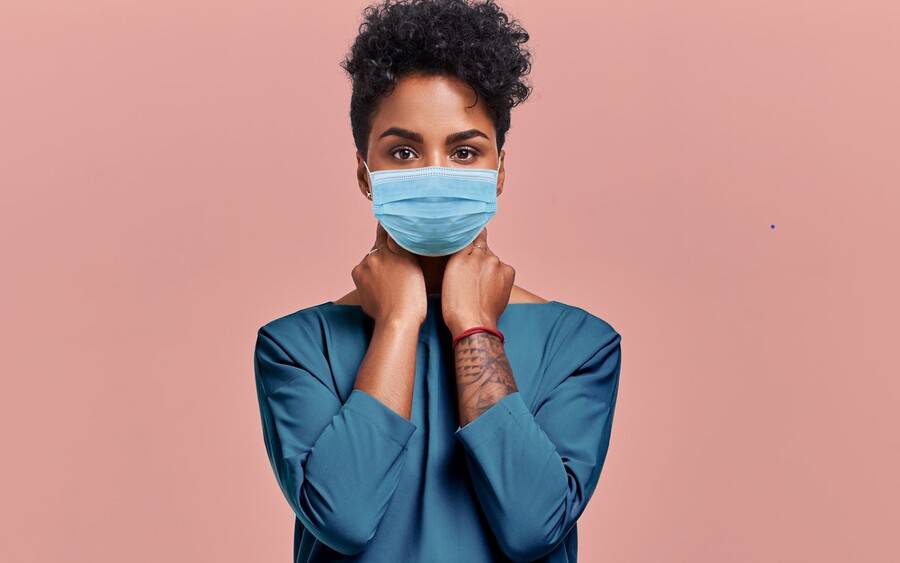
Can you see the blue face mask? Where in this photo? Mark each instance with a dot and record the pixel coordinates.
(434, 210)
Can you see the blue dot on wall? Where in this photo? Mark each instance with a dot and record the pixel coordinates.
(773, 226)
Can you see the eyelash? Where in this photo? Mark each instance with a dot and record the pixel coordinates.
(472, 150)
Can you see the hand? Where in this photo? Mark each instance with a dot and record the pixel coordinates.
(390, 282)
(476, 287)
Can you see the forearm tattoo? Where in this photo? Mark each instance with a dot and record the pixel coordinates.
(483, 374)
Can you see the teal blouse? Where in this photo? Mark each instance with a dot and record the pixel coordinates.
(367, 484)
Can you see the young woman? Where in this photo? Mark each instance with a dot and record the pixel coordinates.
(438, 412)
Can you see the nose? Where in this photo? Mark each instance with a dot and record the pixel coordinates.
(437, 159)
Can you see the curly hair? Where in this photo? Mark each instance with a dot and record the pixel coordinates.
(473, 41)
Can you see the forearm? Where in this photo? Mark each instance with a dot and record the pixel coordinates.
(483, 375)
(337, 461)
(534, 472)
(388, 369)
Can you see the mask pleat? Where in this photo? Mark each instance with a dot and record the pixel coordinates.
(434, 229)
(434, 211)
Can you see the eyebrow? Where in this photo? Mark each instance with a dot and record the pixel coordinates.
(413, 136)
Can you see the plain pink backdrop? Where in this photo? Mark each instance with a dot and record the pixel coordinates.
(176, 174)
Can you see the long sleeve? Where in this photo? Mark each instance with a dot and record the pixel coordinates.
(534, 473)
(338, 464)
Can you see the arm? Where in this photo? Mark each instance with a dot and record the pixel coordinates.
(534, 473)
(483, 375)
(338, 464)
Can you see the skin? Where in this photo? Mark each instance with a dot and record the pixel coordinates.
(412, 127)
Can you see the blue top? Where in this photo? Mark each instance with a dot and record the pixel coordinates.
(367, 484)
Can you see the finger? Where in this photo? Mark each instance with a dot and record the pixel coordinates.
(396, 248)
(387, 242)
(481, 239)
(480, 243)
(477, 243)
(380, 236)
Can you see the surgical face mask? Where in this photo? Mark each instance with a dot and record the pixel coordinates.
(434, 210)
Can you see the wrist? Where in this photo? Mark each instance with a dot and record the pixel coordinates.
(478, 333)
(398, 324)
(457, 327)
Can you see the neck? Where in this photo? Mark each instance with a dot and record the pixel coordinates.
(433, 270)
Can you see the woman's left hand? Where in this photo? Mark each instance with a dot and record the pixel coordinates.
(476, 287)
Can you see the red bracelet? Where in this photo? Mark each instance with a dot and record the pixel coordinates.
(475, 329)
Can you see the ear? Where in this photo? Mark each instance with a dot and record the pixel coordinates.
(501, 173)
(362, 176)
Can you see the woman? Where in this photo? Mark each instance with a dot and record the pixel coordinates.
(437, 413)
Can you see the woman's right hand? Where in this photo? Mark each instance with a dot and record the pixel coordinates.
(390, 283)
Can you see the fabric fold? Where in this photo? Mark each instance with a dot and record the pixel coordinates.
(337, 464)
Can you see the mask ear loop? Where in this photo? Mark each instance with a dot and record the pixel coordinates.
(499, 161)
(369, 172)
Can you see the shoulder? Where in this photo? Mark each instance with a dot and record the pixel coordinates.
(521, 295)
(291, 348)
(571, 317)
(579, 320)
(299, 335)
(580, 336)
(299, 321)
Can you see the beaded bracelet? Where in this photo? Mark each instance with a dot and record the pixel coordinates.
(475, 329)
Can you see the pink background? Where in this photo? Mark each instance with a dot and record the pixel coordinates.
(175, 174)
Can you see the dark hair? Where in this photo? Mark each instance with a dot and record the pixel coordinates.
(473, 41)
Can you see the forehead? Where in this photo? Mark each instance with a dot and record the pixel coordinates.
(432, 105)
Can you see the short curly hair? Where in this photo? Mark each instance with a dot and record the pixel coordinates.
(474, 41)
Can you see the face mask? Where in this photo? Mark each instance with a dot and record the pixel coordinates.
(434, 210)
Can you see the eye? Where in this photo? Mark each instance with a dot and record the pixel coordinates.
(405, 150)
(468, 153)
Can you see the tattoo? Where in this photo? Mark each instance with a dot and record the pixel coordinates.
(483, 374)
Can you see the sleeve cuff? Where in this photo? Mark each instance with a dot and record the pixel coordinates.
(383, 418)
(501, 414)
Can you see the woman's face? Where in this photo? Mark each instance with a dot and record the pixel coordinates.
(428, 121)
